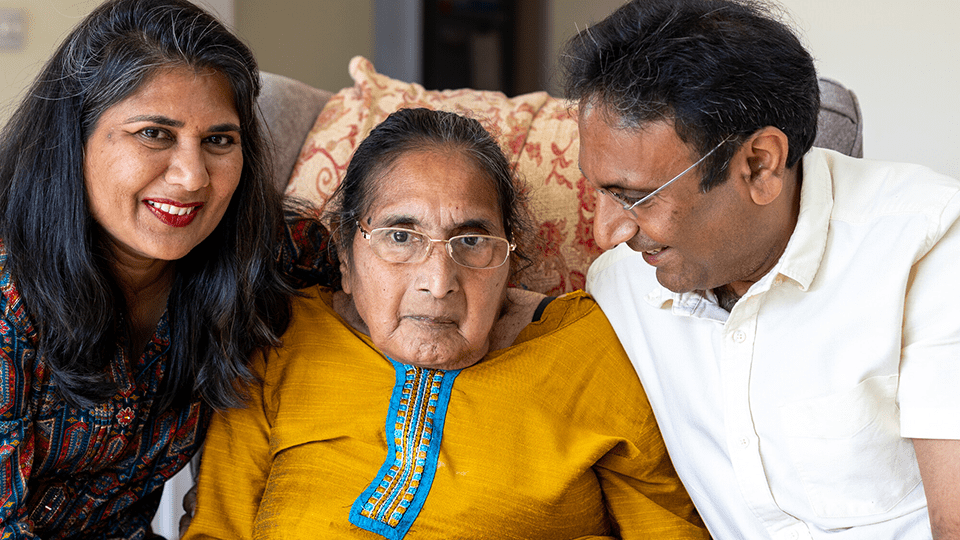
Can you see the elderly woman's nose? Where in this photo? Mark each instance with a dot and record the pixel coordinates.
(188, 167)
(438, 274)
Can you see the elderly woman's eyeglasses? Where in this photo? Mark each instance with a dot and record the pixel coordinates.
(477, 251)
(629, 203)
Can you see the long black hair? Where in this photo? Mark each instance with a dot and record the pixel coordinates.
(227, 298)
(713, 68)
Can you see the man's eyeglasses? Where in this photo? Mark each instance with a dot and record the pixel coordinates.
(629, 203)
(478, 251)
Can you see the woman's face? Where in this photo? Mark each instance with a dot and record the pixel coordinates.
(161, 166)
(435, 313)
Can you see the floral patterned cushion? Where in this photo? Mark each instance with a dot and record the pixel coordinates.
(537, 132)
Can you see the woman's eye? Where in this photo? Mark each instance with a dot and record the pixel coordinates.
(221, 140)
(151, 133)
(471, 241)
(399, 237)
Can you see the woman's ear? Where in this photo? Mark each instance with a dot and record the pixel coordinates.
(345, 275)
(765, 153)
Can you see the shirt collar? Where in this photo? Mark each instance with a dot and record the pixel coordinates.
(804, 252)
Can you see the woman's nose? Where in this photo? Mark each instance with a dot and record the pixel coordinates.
(611, 224)
(188, 167)
(438, 274)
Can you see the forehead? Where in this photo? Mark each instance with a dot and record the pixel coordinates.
(437, 188)
(168, 92)
(616, 156)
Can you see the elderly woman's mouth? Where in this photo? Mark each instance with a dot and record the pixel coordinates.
(427, 320)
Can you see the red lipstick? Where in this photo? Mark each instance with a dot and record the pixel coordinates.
(173, 213)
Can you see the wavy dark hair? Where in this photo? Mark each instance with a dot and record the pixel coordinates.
(227, 297)
(714, 68)
(421, 129)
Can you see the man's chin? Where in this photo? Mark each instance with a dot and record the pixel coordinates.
(674, 283)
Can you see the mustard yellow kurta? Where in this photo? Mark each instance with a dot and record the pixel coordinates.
(550, 438)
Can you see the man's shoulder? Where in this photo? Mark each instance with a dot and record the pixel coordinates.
(618, 276)
(864, 189)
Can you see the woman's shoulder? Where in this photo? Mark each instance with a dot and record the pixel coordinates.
(573, 309)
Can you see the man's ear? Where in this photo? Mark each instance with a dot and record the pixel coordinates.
(764, 164)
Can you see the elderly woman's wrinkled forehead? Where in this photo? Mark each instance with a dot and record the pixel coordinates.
(373, 185)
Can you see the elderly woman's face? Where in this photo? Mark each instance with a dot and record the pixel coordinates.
(161, 166)
(435, 313)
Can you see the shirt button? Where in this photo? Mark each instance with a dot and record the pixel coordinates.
(744, 442)
(739, 336)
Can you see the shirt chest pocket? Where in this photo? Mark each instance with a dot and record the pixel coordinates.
(848, 450)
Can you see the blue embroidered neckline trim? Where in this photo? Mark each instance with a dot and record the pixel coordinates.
(418, 408)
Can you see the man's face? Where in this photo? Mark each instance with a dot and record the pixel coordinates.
(696, 241)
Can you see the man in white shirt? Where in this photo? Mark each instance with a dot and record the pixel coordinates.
(793, 313)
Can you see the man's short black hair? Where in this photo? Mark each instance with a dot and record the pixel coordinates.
(714, 68)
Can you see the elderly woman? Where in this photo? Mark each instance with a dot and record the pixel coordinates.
(138, 239)
(426, 399)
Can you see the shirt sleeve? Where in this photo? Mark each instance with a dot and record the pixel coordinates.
(930, 357)
(16, 440)
(233, 470)
(643, 493)
(305, 256)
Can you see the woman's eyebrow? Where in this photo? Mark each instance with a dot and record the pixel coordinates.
(170, 122)
(220, 128)
(408, 220)
(482, 224)
(156, 119)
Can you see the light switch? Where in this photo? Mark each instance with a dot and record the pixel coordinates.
(12, 29)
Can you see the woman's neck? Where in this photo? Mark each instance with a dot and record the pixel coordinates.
(145, 286)
(517, 313)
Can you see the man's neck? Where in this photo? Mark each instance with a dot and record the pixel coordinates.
(726, 297)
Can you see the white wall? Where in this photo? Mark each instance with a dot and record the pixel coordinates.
(902, 59)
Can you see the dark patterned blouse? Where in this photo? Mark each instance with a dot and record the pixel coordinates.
(99, 473)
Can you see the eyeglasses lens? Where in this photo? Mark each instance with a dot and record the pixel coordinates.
(406, 246)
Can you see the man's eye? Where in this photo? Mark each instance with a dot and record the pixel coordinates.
(629, 200)
(623, 198)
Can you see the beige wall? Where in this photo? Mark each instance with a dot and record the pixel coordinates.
(564, 19)
(901, 62)
(47, 23)
(309, 40)
(899, 57)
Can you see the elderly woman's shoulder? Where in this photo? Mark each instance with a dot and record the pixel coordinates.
(530, 314)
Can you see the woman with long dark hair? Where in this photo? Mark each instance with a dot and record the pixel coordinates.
(138, 265)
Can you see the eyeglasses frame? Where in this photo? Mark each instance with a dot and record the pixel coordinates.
(369, 236)
(628, 207)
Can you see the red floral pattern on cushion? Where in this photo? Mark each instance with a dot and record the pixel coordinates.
(537, 132)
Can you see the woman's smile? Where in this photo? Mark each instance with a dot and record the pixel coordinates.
(173, 213)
